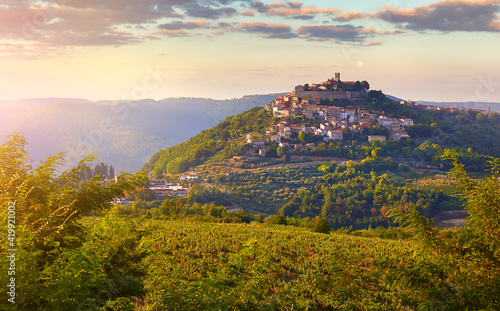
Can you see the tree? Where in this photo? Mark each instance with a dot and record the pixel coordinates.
(259, 218)
(50, 205)
(48, 209)
(271, 152)
(357, 86)
(421, 130)
(376, 95)
(302, 137)
(111, 172)
(283, 153)
(277, 220)
(479, 117)
(320, 225)
(474, 251)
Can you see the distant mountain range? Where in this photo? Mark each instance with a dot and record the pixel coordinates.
(122, 134)
(494, 106)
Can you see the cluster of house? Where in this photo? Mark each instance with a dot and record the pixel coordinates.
(307, 102)
(291, 105)
(162, 188)
(334, 130)
(452, 109)
(333, 121)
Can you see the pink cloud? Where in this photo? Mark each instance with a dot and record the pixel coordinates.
(446, 16)
(352, 15)
(248, 13)
(171, 33)
(374, 43)
(290, 9)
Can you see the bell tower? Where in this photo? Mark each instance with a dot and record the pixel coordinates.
(337, 76)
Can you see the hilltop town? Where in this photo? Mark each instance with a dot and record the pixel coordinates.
(316, 104)
(333, 115)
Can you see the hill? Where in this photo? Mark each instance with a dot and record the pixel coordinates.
(124, 135)
(412, 135)
(79, 251)
(349, 181)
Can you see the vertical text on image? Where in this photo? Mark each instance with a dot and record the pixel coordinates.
(11, 249)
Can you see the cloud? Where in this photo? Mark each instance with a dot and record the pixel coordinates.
(122, 32)
(295, 5)
(150, 37)
(303, 17)
(270, 31)
(196, 10)
(248, 13)
(223, 25)
(95, 38)
(156, 9)
(177, 25)
(66, 26)
(374, 43)
(171, 33)
(451, 15)
(352, 15)
(444, 16)
(92, 22)
(102, 22)
(291, 9)
(260, 7)
(342, 33)
(327, 32)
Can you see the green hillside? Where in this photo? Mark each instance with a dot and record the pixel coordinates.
(475, 135)
(225, 140)
(351, 182)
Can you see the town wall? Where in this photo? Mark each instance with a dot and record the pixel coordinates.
(299, 92)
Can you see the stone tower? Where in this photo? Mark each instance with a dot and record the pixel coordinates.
(337, 76)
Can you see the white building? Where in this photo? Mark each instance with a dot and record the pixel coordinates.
(190, 177)
(406, 122)
(376, 137)
(347, 113)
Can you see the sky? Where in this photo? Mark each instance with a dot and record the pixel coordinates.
(132, 49)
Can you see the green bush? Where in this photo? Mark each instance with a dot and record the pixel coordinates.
(320, 225)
